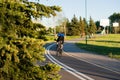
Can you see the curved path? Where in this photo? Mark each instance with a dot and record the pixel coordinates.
(78, 64)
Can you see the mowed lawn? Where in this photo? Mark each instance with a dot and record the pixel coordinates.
(108, 44)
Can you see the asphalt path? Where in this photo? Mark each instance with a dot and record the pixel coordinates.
(78, 64)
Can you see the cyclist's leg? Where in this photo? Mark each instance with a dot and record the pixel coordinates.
(60, 52)
(56, 45)
(61, 49)
(57, 48)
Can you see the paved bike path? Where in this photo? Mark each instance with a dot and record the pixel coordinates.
(79, 57)
(102, 61)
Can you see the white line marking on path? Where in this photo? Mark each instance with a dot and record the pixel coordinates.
(92, 63)
(79, 75)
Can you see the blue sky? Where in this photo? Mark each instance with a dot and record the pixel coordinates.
(97, 9)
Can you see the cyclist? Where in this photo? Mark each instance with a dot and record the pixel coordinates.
(60, 41)
(60, 38)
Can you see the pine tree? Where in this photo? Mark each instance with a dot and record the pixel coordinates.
(18, 19)
(92, 27)
(19, 50)
(82, 27)
(67, 27)
(74, 26)
(85, 27)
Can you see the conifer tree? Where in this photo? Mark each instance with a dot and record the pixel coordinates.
(19, 50)
(82, 27)
(85, 26)
(74, 26)
(19, 15)
(92, 27)
(67, 27)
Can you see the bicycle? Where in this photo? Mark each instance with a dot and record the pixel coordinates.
(59, 48)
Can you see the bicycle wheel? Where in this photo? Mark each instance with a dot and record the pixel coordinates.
(60, 52)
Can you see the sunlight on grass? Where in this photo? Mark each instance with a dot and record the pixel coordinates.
(51, 38)
(105, 45)
(71, 37)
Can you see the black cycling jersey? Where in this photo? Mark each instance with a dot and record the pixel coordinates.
(60, 38)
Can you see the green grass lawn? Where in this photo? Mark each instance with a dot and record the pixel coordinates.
(71, 37)
(52, 37)
(106, 45)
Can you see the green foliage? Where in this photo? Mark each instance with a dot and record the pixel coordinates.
(51, 72)
(18, 16)
(80, 27)
(92, 27)
(115, 17)
(17, 57)
(19, 50)
(73, 28)
(99, 28)
(47, 11)
(50, 31)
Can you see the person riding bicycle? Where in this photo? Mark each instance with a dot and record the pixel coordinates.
(60, 38)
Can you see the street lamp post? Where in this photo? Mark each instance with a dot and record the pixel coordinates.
(86, 20)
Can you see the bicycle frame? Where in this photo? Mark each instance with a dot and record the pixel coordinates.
(59, 48)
